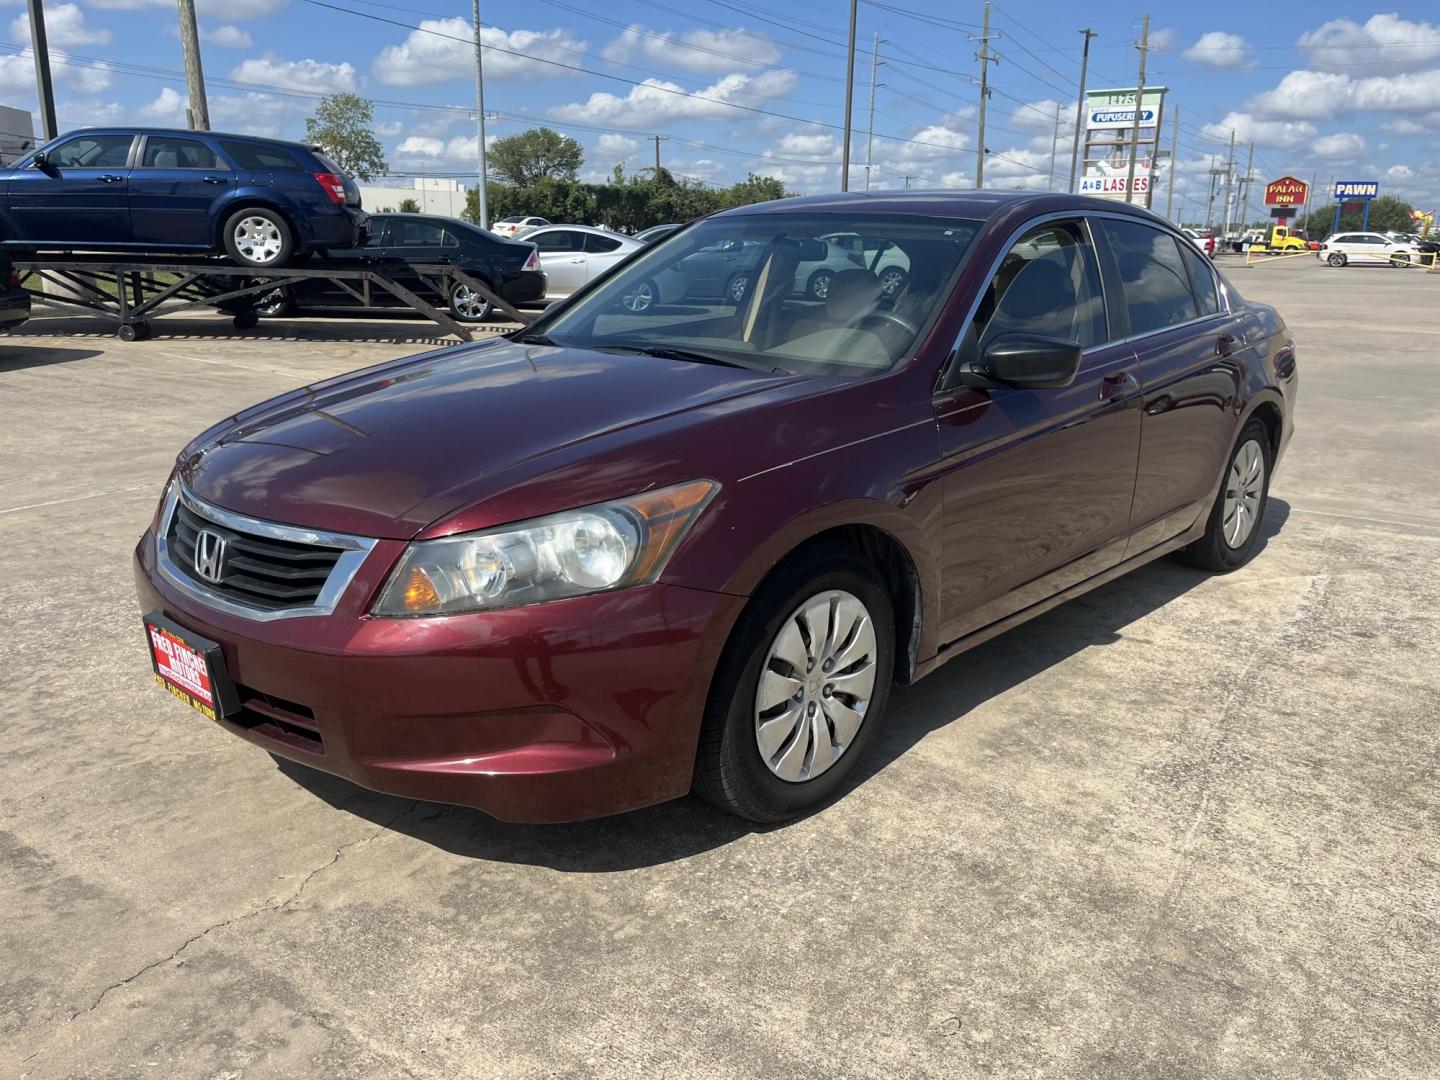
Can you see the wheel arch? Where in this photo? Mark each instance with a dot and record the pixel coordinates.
(238, 202)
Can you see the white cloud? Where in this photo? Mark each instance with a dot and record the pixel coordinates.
(1404, 126)
(431, 150)
(17, 76)
(1341, 146)
(1284, 134)
(257, 114)
(657, 101)
(1038, 117)
(226, 36)
(167, 109)
(616, 147)
(1218, 49)
(1399, 173)
(313, 76)
(808, 145)
(1165, 39)
(224, 9)
(938, 141)
(709, 51)
(444, 49)
(64, 25)
(1304, 94)
(1383, 39)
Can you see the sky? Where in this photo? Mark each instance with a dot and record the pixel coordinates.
(1322, 89)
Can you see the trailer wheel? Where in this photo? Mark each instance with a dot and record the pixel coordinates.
(246, 320)
(133, 332)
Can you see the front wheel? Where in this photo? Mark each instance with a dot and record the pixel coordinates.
(1233, 528)
(258, 236)
(641, 298)
(1400, 259)
(737, 287)
(274, 303)
(819, 284)
(1336, 260)
(800, 689)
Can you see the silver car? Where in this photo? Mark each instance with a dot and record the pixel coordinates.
(572, 255)
(847, 251)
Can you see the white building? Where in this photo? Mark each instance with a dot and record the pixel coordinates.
(434, 194)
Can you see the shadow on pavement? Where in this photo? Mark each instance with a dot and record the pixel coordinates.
(400, 331)
(17, 357)
(690, 826)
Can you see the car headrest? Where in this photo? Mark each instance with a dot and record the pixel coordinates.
(167, 159)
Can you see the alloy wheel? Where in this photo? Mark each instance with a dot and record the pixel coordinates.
(890, 282)
(258, 239)
(1244, 490)
(820, 284)
(815, 686)
(469, 304)
(739, 285)
(640, 298)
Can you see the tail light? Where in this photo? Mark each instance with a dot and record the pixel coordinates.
(333, 185)
(15, 279)
(533, 262)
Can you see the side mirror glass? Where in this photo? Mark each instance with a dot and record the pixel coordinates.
(41, 161)
(1026, 362)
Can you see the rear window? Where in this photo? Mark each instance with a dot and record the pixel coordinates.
(252, 156)
(1157, 285)
(330, 165)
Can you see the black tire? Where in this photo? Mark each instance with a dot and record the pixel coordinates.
(278, 228)
(467, 305)
(729, 769)
(737, 288)
(245, 320)
(1337, 259)
(133, 332)
(1213, 551)
(818, 287)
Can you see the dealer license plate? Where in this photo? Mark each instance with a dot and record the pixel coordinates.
(190, 667)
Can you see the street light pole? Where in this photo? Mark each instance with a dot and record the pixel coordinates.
(849, 100)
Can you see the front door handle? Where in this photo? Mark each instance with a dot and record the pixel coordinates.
(1225, 344)
(580, 260)
(111, 178)
(212, 180)
(1114, 383)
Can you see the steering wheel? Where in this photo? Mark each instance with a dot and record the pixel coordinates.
(886, 317)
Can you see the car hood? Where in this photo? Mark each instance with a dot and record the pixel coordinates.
(387, 451)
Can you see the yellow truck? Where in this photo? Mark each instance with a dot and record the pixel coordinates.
(1281, 238)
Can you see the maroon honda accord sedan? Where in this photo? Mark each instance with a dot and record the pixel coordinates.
(645, 547)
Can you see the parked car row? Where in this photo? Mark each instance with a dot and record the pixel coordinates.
(1371, 247)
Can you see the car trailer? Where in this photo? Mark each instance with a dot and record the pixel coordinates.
(134, 292)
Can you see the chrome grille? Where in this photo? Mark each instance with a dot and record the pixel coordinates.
(263, 570)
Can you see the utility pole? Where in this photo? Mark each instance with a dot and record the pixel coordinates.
(1229, 184)
(1174, 163)
(1144, 48)
(984, 56)
(908, 178)
(482, 202)
(1054, 142)
(657, 140)
(44, 90)
(870, 125)
(849, 101)
(194, 73)
(1246, 183)
(1080, 106)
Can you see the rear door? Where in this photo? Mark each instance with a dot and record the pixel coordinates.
(1038, 483)
(417, 240)
(1190, 349)
(601, 253)
(81, 195)
(172, 188)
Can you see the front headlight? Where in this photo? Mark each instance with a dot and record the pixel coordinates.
(608, 546)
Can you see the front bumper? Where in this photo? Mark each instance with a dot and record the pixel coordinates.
(557, 712)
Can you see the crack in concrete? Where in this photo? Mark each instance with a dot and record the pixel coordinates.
(270, 905)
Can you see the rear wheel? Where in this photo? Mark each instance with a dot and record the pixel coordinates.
(274, 303)
(1400, 259)
(819, 285)
(800, 689)
(258, 236)
(1336, 259)
(641, 298)
(891, 282)
(468, 305)
(737, 287)
(1233, 528)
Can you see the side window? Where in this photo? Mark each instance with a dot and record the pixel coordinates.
(92, 152)
(1202, 280)
(1048, 283)
(407, 232)
(560, 240)
(596, 245)
(251, 156)
(167, 153)
(1157, 289)
(379, 227)
(451, 240)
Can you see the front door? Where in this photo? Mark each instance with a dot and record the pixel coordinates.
(1038, 483)
(562, 257)
(80, 195)
(172, 189)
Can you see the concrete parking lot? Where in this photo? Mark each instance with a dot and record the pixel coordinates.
(1183, 827)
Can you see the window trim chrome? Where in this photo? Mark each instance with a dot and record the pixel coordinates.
(1085, 216)
(354, 551)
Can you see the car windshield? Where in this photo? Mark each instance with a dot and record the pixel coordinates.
(775, 292)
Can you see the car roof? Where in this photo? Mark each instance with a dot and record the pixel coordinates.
(186, 132)
(580, 228)
(971, 204)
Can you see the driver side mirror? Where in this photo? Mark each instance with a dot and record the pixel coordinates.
(1025, 362)
(40, 161)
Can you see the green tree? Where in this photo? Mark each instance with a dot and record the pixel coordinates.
(341, 127)
(534, 155)
(1387, 214)
(409, 206)
(754, 189)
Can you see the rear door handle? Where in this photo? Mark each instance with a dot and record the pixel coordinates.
(1113, 383)
(111, 178)
(212, 180)
(1225, 344)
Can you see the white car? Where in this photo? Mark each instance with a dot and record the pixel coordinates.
(846, 251)
(572, 255)
(1368, 247)
(512, 227)
(1206, 244)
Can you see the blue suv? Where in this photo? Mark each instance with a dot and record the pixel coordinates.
(261, 201)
